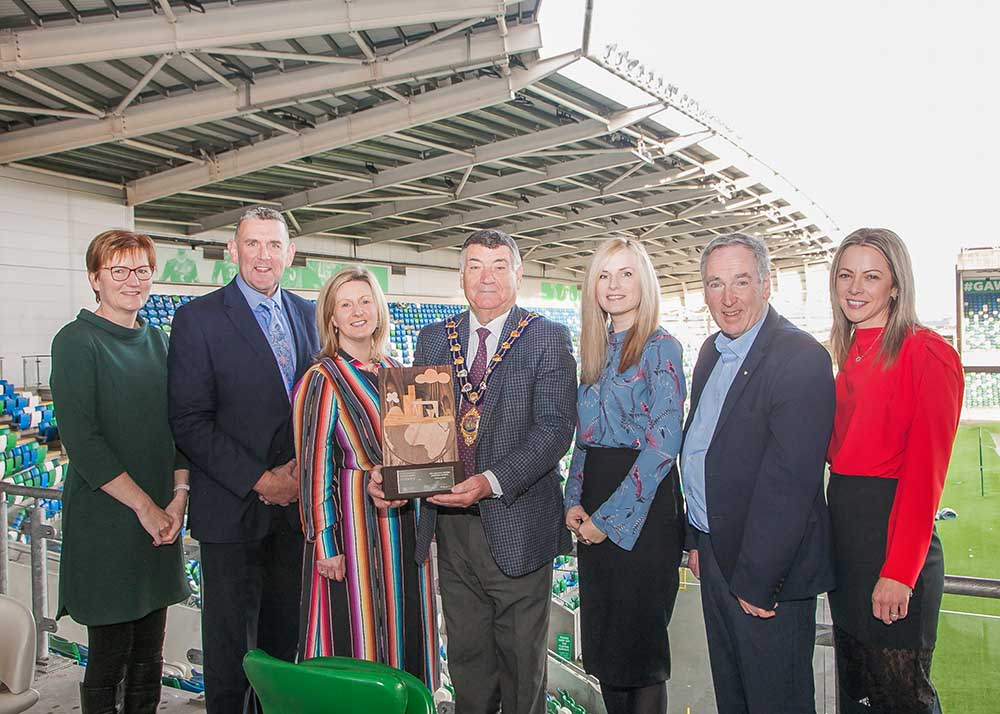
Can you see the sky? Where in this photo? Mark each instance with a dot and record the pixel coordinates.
(886, 113)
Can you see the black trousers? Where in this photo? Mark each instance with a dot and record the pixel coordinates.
(249, 599)
(759, 666)
(113, 649)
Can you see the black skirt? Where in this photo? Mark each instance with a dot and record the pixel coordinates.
(627, 596)
(859, 508)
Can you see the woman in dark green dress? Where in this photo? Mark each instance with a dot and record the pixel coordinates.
(126, 490)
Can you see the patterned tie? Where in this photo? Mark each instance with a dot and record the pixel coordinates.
(476, 372)
(281, 346)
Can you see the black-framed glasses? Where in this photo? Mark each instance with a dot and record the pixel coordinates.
(119, 273)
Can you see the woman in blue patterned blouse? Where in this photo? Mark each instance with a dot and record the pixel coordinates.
(623, 496)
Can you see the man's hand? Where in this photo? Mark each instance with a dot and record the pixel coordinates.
(464, 493)
(756, 611)
(693, 563)
(575, 517)
(334, 568)
(175, 509)
(890, 600)
(590, 534)
(377, 494)
(280, 486)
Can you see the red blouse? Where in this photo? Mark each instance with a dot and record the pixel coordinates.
(900, 423)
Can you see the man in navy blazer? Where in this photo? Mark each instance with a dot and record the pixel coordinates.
(234, 356)
(762, 404)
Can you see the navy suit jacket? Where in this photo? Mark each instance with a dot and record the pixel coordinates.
(228, 409)
(529, 413)
(769, 523)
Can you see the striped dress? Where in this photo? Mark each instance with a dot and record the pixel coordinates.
(383, 610)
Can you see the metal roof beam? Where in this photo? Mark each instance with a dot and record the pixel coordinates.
(664, 198)
(210, 105)
(225, 26)
(471, 191)
(628, 224)
(419, 170)
(434, 105)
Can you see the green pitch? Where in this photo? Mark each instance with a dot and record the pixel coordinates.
(967, 658)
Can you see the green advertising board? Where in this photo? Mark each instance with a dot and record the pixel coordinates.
(560, 292)
(982, 285)
(185, 266)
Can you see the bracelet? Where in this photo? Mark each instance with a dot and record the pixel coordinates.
(182, 487)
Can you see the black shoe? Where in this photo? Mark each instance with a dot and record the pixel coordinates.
(99, 700)
(142, 687)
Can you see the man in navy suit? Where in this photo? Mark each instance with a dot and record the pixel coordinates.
(762, 404)
(498, 530)
(235, 355)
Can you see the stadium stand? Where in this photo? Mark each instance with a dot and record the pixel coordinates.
(982, 321)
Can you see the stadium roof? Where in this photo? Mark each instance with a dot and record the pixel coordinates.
(409, 121)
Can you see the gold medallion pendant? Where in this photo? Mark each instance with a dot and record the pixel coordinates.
(469, 423)
(470, 426)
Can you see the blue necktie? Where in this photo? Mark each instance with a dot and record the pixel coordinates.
(281, 346)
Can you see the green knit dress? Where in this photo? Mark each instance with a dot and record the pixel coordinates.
(109, 386)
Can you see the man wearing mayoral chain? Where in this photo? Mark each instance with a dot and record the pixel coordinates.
(499, 529)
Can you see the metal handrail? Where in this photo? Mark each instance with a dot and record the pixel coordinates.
(39, 531)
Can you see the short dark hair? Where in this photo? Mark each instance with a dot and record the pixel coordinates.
(261, 213)
(752, 243)
(491, 239)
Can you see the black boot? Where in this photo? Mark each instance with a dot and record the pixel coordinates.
(142, 687)
(99, 700)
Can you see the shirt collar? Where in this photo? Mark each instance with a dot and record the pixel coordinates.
(740, 347)
(256, 299)
(494, 326)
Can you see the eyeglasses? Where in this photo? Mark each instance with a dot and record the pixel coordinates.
(119, 273)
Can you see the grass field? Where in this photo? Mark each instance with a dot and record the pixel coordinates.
(967, 658)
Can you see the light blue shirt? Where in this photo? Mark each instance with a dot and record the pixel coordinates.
(706, 418)
(255, 300)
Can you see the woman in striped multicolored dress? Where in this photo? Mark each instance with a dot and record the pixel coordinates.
(363, 594)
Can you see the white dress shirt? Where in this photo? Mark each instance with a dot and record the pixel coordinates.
(495, 326)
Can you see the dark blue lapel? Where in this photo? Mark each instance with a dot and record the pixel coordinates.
(749, 366)
(238, 311)
(495, 386)
(304, 351)
(703, 367)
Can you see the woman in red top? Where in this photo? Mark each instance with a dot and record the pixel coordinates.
(899, 397)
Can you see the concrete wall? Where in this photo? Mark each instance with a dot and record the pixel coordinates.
(46, 225)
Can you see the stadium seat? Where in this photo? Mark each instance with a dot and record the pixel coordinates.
(330, 686)
(17, 657)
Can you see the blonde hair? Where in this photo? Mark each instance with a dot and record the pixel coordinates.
(595, 321)
(326, 305)
(902, 320)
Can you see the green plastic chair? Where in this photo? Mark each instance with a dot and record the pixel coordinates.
(418, 699)
(333, 685)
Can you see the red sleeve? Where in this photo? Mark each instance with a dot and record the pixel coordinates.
(938, 387)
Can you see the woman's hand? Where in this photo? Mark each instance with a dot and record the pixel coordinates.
(175, 509)
(375, 490)
(332, 568)
(589, 534)
(575, 517)
(890, 600)
(155, 521)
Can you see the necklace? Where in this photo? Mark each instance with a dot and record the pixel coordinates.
(469, 425)
(864, 354)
